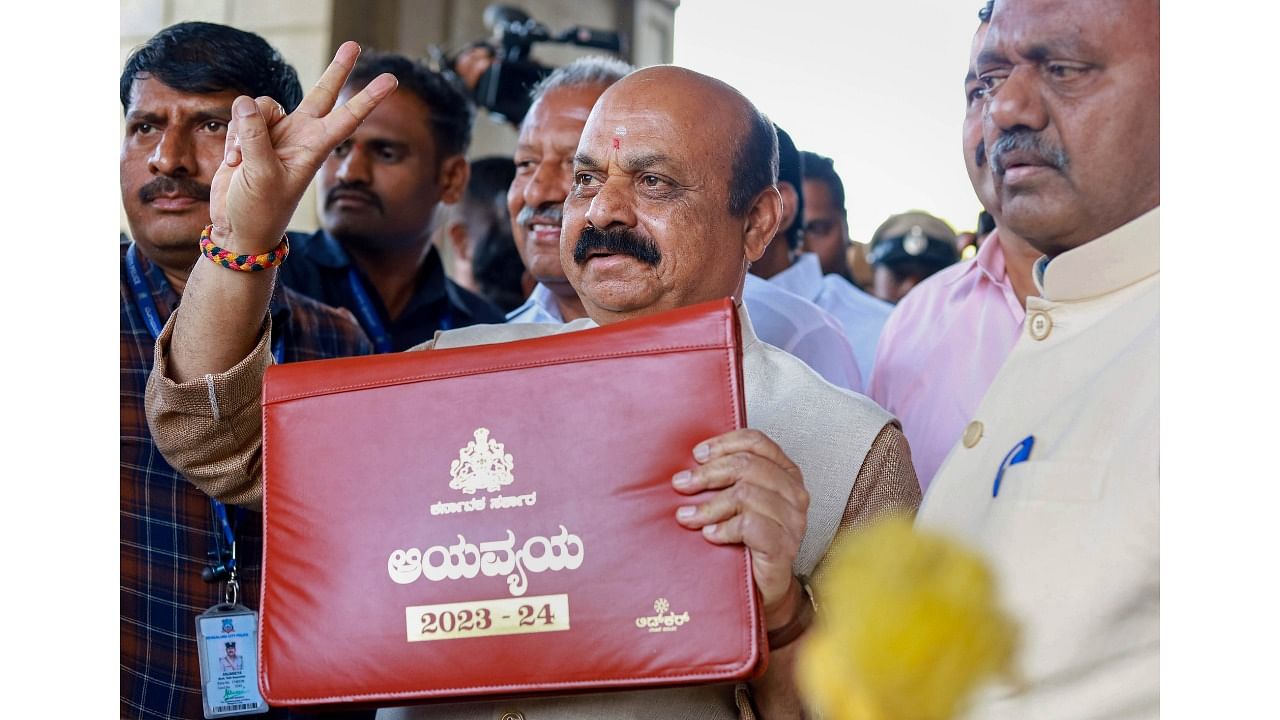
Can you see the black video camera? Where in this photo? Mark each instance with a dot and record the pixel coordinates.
(504, 87)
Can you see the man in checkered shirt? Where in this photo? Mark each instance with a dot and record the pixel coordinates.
(176, 91)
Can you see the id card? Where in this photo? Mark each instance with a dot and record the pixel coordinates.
(228, 639)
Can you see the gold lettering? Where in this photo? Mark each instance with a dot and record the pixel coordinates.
(563, 551)
(459, 567)
(405, 566)
(663, 621)
(432, 570)
(490, 565)
(480, 618)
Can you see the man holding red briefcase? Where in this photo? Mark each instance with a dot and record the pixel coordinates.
(673, 197)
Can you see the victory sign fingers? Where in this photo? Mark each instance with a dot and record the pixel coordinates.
(271, 157)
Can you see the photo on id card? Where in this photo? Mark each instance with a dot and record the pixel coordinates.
(228, 640)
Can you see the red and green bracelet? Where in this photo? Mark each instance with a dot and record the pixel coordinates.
(246, 263)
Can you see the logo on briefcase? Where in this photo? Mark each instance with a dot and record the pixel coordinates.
(664, 620)
(484, 464)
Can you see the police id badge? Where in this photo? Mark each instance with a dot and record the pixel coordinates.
(227, 636)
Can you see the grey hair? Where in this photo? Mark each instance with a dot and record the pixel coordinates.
(585, 71)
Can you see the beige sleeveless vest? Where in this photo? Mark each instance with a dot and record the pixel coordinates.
(825, 430)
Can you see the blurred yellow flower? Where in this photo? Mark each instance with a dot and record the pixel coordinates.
(909, 626)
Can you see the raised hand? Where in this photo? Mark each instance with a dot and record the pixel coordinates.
(272, 157)
(762, 503)
(269, 160)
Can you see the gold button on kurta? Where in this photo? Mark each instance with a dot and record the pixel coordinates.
(1040, 324)
(972, 434)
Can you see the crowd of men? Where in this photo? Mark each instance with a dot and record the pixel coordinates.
(1012, 398)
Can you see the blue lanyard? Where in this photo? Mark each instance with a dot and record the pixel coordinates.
(372, 323)
(142, 291)
(224, 533)
(369, 319)
(146, 305)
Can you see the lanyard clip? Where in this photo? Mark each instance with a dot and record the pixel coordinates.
(222, 568)
(231, 589)
(222, 563)
(231, 592)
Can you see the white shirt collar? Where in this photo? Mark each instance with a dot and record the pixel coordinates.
(1118, 259)
(540, 307)
(804, 277)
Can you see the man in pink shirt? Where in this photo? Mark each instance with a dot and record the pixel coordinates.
(944, 342)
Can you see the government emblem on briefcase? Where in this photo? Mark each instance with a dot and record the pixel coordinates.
(483, 464)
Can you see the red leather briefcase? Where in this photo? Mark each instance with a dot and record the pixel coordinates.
(499, 519)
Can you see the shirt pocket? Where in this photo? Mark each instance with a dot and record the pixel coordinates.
(1054, 481)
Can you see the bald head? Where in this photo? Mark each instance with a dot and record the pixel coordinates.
(674, 194)
(712, 107)
(684, 95)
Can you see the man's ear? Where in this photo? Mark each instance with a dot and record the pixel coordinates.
(790, 204)
(764, 218)
(459, 239)
(454, 173)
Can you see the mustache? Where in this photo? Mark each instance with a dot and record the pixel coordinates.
(353, 188)
(552, 212)
(1027, 141)
(980, 153)
(184, 186)
(618, 240)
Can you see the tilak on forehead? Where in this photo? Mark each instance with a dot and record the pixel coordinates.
(618, 133)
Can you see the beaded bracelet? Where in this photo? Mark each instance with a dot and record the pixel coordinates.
(245, 263)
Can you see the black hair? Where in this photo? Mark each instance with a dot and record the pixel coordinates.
(490, 177)
(919, 269)
(201, 57)
(755, 164)
(986, 224)
(484, 204)
(451, 112)
(823, 169)
(791, 169)
(495, 262)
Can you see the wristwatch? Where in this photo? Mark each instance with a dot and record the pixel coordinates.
(800, 621)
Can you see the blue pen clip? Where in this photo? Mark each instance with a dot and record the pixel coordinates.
(1019, 453)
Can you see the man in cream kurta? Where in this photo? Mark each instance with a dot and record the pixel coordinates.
(1056, 478)
(1074, 531)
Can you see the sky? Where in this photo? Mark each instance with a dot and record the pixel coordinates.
(876, 86)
